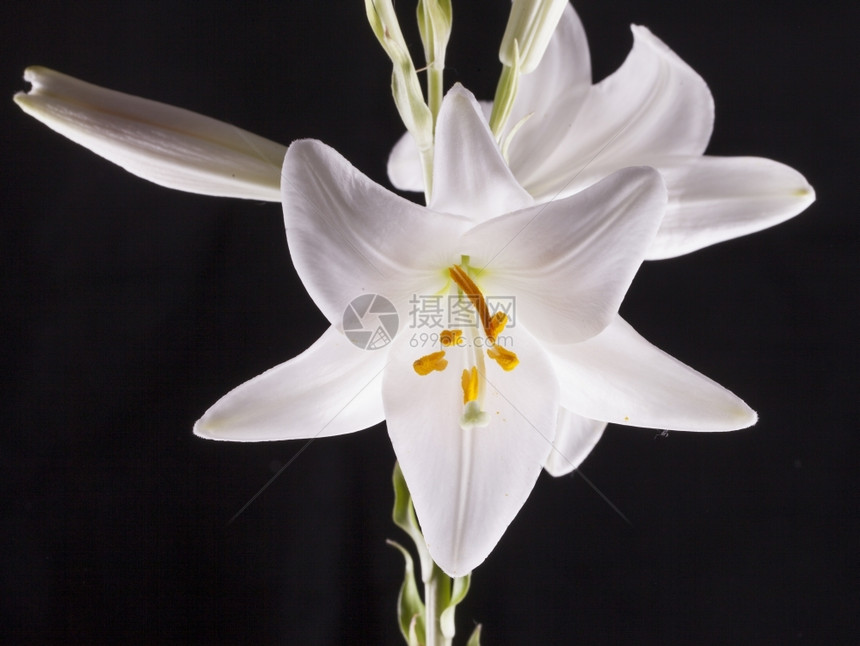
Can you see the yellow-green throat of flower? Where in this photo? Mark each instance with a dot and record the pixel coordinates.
(473, 379)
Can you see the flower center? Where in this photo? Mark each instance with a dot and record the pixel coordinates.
(473, 379)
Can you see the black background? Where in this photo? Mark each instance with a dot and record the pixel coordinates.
(128, 309)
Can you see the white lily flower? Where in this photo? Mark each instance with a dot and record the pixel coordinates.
(473, 417)
(166, 145)
(655, 111)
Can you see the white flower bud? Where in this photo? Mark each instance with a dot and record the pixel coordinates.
(170, 146)
(531, 24)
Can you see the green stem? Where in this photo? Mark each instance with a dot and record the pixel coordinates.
(506, 92)
(427, 168)
(435, 86)
(437, 596)
(431, 621)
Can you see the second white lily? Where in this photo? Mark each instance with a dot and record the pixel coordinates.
(655, 110)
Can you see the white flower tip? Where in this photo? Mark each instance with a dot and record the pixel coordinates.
(459, 94)
(31, 76)
(732, 415)
(641, 31)
(21, 99)
(643, 35)
(805, 195)
(745, 417)
(204, 428)
(39, 79)
(215, 426)
(458, 89)
(557, 465)
(34, 73)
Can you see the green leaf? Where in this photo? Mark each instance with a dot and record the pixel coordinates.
(475, 639)
(404, 517)
(506, 92)
(410, 608)
(459, 590)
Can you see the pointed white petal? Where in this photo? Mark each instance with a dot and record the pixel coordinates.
(575, 437)
(569, 262)
(467, 486)
(470, 177)
(654, 105)
(712, 199)
(166, 145)
(404, 162)
(332, 388)
(349, 236)
(617, 376)
(404, 165)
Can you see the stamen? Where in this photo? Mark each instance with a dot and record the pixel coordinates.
(430, 362)
(497, 324)
(450, 337)
(470, 383)
(504, 357)
(471, 291)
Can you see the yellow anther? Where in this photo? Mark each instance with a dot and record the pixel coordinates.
(497, 324)
(450, 337)
(504, 357)
(430, 362)
(470, 385)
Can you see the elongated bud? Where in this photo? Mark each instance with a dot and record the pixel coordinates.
(434, 25)
(531, 24)
(167, 145)
(405, 87)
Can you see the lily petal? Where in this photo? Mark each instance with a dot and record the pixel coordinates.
(712, 199)
(332, 388)
(575, 437)
(653, 105)
(348, 236)
(404, 165)
(467, 486)
(470, 177)
(170, 146)
(569, 262)
(617, 376)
